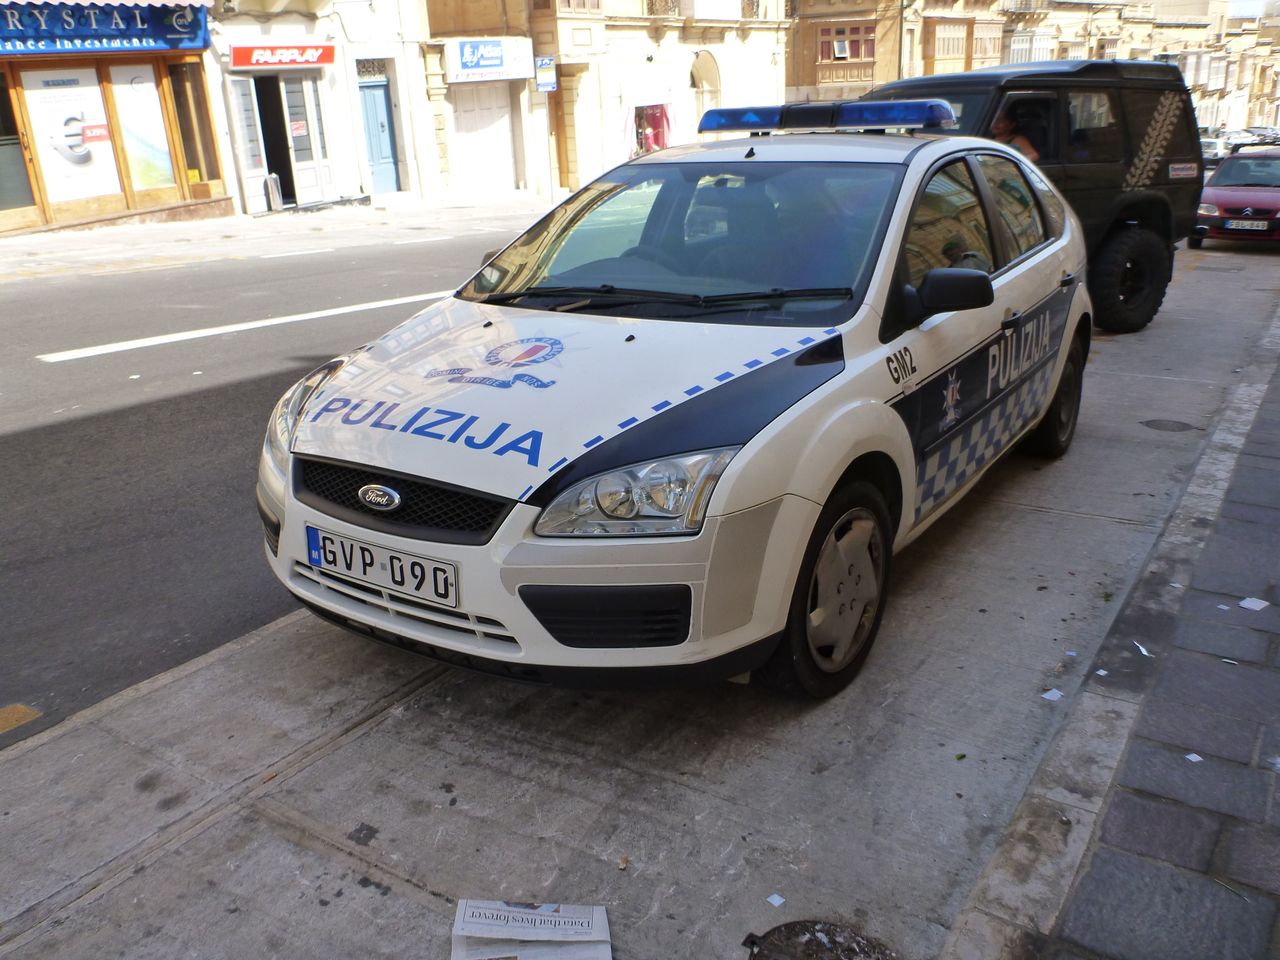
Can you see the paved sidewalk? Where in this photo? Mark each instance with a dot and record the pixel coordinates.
(1187, 862)
(1151, 830)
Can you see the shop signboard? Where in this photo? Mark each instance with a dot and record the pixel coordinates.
(544, 74)
(42, 29)
(483, 59)
(282, 56)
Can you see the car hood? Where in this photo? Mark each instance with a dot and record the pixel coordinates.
(1266, 198)
(497, 399)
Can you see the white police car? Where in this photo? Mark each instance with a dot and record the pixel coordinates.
(679, 426)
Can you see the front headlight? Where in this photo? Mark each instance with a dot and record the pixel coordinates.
(284, 418)
(1208, 210)
(667, 496)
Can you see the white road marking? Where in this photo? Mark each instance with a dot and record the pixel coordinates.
(294, 253)
(400, 243)
(123, 345)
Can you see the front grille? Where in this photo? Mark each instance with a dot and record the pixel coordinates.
(428, 510)
(612, 617)
(1255, 212)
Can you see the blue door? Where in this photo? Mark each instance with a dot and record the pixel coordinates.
(375, 99)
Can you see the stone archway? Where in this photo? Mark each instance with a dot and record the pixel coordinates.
(704, 79)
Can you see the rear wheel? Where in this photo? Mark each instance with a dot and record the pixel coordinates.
(839, 597)
(1053, 436)
(1127, 280)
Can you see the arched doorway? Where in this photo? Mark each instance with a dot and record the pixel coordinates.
(704, 78)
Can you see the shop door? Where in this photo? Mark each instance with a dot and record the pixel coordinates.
(375, 101)
(18, 207)
(280, 131)
(480, 153)
(311, 174)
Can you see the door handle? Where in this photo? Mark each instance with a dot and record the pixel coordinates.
(1068, 279)
(1011, 321)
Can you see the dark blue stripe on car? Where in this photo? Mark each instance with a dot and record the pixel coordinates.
(729, 415)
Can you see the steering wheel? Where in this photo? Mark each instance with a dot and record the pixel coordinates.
(645, 251)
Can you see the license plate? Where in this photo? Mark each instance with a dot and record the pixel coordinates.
(1248, 224)
(435, 581)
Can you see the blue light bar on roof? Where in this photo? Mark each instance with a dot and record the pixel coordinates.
(741, 118)
(852, 115)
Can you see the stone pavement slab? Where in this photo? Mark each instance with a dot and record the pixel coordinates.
(1162, 830)
(1125, 906)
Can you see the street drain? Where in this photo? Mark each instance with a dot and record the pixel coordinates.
(1168, 426)
(815, 940)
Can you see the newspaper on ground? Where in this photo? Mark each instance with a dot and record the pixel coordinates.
(502, 930)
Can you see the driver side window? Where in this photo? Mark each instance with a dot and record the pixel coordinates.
(949, 227)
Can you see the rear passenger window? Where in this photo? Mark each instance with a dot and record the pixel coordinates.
(1017, 213)
(1051, 205)
(1093, 135)
(948, 228)
(1153, 114)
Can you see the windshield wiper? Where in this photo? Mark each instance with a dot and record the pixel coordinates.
(603, 290)
(783, 293)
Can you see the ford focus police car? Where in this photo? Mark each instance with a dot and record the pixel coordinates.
(679, 427)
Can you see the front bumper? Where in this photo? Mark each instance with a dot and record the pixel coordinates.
(562, 610)
(1215, 228)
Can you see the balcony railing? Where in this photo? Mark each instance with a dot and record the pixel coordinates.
(750, 9)
(664, 8)
(1025, 6)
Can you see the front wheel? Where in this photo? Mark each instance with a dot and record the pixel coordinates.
(1052, 437)
(839, 597)
(1127, 280)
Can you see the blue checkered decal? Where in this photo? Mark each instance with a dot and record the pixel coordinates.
(960, 457)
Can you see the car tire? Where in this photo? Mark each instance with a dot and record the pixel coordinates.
(1195, 243)
(845, 567)
(1052, 438)
(1127, 280)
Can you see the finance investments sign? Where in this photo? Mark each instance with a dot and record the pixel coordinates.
(42, 29)
(480, 59)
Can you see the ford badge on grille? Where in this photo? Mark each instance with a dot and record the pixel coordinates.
(377, 497)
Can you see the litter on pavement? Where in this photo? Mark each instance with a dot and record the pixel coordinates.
(1101, 673)
(1054, 694)
(1253, 603)
(502, 930)
(1194, 757)
(1141, 649)
(776, 899)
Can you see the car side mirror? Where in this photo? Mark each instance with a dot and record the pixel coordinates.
(946, 289)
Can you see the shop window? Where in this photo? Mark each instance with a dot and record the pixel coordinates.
(194, 127)
(15, 187)
(652, 128)
(146, 142)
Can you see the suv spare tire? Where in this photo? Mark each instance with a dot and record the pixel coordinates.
(1127, 279)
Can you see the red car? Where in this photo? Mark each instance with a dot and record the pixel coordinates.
(1241, 201)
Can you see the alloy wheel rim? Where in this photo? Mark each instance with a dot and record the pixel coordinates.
(845, 590)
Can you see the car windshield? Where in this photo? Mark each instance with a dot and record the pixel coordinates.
(1241, 171)
(739, 242)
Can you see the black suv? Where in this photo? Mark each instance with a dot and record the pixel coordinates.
(1119, 138)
